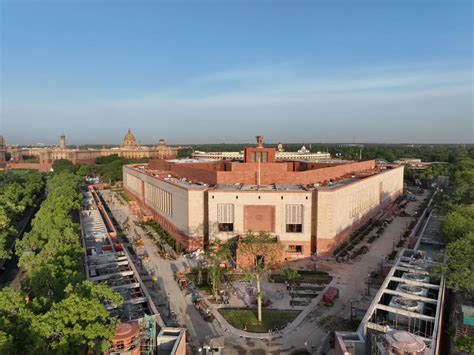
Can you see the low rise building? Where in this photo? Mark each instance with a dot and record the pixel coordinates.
(280, 155)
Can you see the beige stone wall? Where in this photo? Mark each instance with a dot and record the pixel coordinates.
(340, 209)
(241, 199)
(183, 208)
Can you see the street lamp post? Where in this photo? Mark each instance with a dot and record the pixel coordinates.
(351, 308)
(368, 285)
(169, 307)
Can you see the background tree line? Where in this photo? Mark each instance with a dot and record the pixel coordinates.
(389, 152)
(56, 311)
(108, 168)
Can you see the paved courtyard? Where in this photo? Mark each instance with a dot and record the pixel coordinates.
(307, 331)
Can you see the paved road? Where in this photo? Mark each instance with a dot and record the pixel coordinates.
(181, 305)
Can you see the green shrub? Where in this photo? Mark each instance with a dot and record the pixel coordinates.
(372, 239)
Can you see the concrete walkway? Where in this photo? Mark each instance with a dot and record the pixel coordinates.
(168, 293)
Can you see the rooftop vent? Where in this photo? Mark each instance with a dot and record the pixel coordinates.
(414, 290)
(415, 277)
(402, 342)
(406, 303)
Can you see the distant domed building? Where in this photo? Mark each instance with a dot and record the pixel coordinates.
(129, 141)
(129, 148)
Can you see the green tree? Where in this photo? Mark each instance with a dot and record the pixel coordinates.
(57, 312)
(83, 170)
(464, 343)
(217, 253)
(458, 223)
(459, 266)
(19, 191)
(61, 165)
(261, 251)
(290, 275)
(79, 320)
(16, 335)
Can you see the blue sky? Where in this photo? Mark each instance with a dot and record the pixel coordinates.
(224, 71)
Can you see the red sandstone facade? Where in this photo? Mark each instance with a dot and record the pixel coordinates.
(310, 207)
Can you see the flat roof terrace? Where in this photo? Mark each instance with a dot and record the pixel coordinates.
(240, 187)
(204, 174)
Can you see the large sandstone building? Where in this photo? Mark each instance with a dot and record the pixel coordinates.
(128, 149)
(312, 207)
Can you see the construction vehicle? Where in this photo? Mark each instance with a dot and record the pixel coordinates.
(182, 280)
(330, 296)
(201, 306)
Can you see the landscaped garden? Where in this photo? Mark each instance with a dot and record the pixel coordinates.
(305, 277)
(246, 319)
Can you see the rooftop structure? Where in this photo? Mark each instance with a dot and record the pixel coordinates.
(280, 155)
(312, 207)
(413, 163)
(107, 261)
(405, 315)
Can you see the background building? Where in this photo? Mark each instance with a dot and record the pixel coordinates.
(280, 155)
(128, 149)
(310, 206)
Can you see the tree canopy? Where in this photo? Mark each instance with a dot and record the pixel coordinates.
(459, 267)
(19, 191)
(56, 311)
(259, 252)
(109, 168)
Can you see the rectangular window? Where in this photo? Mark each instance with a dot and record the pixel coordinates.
(294, 228)
(295, 248)
(294, 218)
(225, 217)
(226, 227)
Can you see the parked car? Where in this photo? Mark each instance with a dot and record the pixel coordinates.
(330, 296)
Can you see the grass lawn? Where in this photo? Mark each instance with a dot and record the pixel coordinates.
(241, 317)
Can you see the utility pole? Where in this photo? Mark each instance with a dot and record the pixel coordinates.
(351, 308)
(368, 285)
